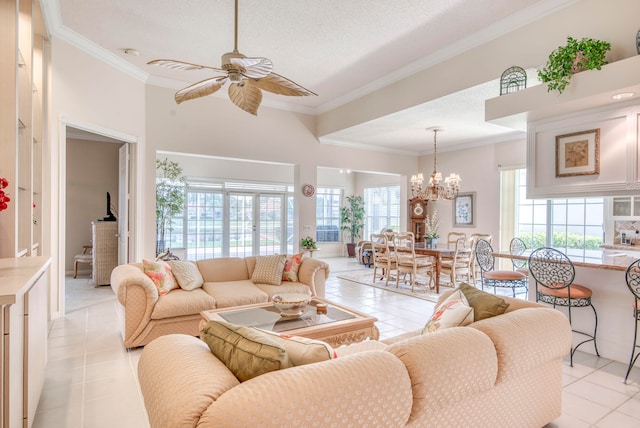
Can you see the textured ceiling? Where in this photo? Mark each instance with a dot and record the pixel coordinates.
(336, 48)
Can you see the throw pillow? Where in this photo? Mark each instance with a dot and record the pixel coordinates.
(269, 269)
(453, 312)
(302, 350)
(485, 305)
(247, 352)
(187, 274)
(160, 273)
(291, 267)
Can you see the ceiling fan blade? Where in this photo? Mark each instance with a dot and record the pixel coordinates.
(254, 68)
(246, 96)
(200, 89)
(181, 65)
(280, 85)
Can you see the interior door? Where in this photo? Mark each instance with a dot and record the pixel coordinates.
(123, 204)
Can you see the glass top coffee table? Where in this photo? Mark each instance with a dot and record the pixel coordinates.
(339, 326)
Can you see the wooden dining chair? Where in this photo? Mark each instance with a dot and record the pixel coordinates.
(407, 260)
(458, 264)
(383, 258)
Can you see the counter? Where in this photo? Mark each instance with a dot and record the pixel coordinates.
(611, 298)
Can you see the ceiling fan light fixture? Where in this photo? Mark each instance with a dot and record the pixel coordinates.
(249, 76)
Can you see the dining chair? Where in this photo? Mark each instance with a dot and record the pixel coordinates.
(517, 247)
(383, 258)
(554, 274)
(458, 264)
(632, 277)
(453, 237)
(86, 257)
(407, 260)
(497, 278)
(473, 267)
(364, 246)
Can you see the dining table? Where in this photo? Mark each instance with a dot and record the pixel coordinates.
(438, 253)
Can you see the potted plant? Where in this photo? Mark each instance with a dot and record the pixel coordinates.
(170, 197)
(308, 243)
(575, 56)
(352, 221)
(431, 226)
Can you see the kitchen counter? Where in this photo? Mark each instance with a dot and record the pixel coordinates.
(609, 261)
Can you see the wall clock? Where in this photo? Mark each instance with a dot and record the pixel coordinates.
(308, 190)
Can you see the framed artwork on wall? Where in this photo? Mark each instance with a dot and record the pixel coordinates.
(578, 153)
(464, 214)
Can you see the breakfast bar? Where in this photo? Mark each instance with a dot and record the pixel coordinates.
(611, 298)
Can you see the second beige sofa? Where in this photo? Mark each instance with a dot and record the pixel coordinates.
(145, 315)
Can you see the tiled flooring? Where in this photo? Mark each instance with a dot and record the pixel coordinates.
(91, 380)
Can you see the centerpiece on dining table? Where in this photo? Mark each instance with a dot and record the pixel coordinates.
(431, 225)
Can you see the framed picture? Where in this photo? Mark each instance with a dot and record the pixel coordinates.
(464, 210)
(578, 153)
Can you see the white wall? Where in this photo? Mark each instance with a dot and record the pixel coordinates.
(92, 171)
(88, 94)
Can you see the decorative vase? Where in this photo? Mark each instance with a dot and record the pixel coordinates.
(430, 242)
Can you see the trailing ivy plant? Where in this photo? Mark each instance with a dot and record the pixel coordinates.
(575, 56)
(170, 197)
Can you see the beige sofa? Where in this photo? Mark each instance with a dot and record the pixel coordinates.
(503, 371)
(145, 315)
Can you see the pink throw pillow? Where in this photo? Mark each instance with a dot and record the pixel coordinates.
(160, 273)
(291, 267)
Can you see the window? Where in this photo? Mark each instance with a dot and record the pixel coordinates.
(574, 226)
(328, 203)
(382, 209)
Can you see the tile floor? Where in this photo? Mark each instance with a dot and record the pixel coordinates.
(91, 380)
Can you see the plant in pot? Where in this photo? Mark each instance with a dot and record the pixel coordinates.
(308, 243)
(352, 221)
(170, 197)
(574, 57)
(431, 226)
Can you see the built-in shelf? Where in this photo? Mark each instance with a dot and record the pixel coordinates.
(587, 90)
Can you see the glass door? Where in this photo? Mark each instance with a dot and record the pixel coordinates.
(242, 226)
(271, 230)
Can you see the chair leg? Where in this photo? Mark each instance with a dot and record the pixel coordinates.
(633, 359)
(75, 269)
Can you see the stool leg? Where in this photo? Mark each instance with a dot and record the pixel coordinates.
(632, 360)
(595, 331)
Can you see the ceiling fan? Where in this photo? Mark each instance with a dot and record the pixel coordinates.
(249, 77)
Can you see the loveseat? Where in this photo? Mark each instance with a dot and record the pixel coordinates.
(145, 314)
(503, 371)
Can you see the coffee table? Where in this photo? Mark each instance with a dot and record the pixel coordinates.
(339, 326)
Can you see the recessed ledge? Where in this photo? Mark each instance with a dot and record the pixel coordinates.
(586, 90)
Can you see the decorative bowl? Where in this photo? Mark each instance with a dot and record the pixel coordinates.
(291, 305)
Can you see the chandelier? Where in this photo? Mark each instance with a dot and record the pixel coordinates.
(435, 190)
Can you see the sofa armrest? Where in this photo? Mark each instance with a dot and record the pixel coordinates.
(314, 273)
(179, 379)
(137, 294)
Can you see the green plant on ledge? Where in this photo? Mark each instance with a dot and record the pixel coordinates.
(308, 243)
(575, 56)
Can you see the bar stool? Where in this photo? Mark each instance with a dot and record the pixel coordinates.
(497, 278)
(517, 247)
(554, 274)
(633, 282)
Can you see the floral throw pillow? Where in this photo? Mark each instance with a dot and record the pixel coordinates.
(160, 273)
(453, 312)
(291, 267)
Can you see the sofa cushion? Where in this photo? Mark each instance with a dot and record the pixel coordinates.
(187, 274)
(485, 305)
(247, 352)
(354, 348)
(291, 267)
(160, 273)
(453, 312)
(269, 269)
(235, 293)
(286, 287)
(223, 269)
(302, 350)
(181, 302)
